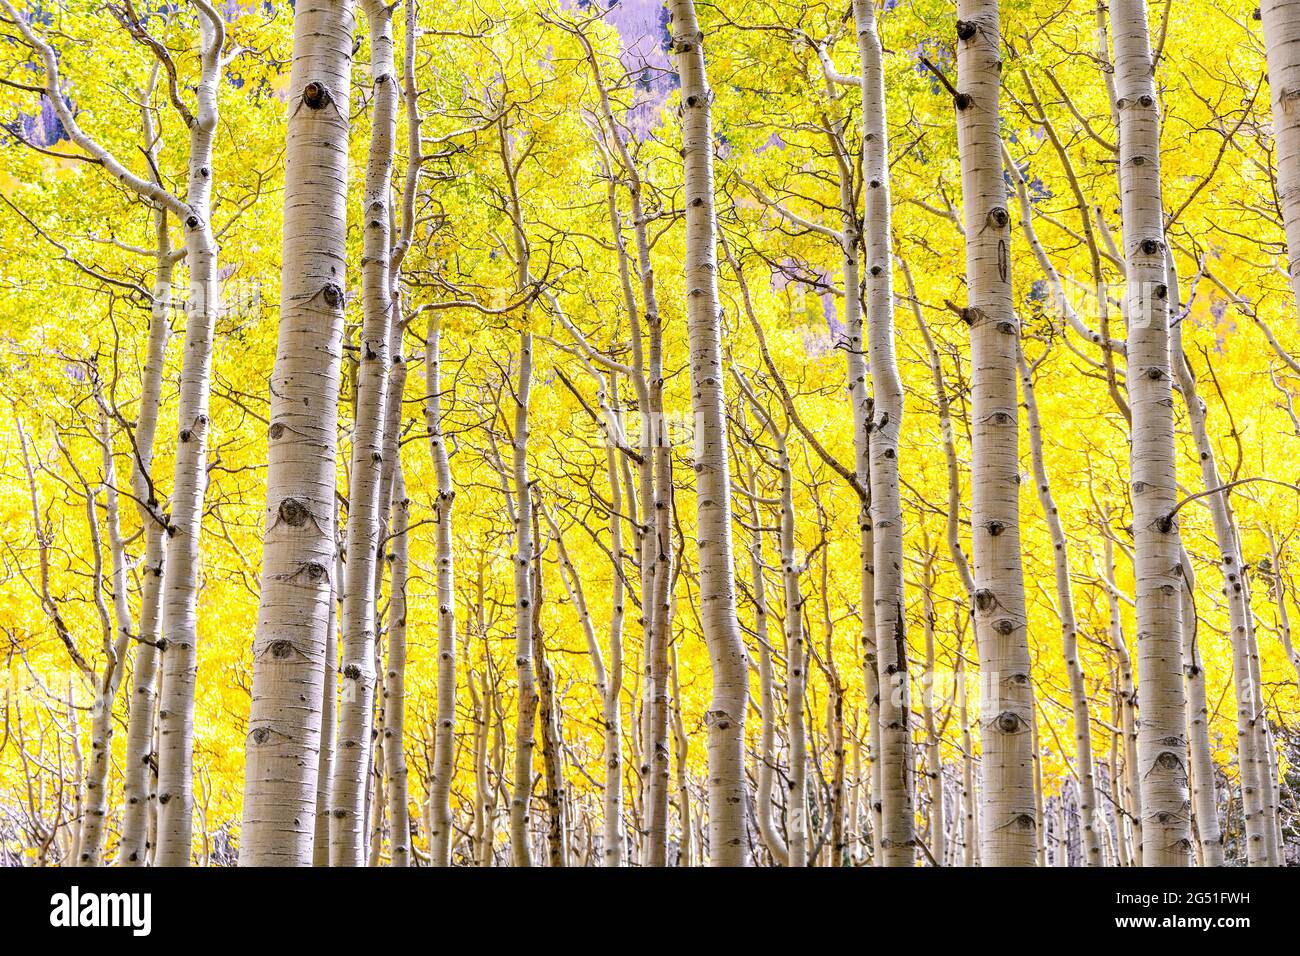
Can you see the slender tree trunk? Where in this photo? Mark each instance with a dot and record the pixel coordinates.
(395, 677)
(1128, 704)
(1250, 757)
(725, 717)
(1008, 835)
(897, 840)
(137, 778)
(1200, 756)
(444, 742)
(520, 850)
(117, 638)
(180, 582)
(1083, 766)
(284, 728)
(320, 854)
(1281, 20)
(933, 744)
(1162, 731)
(352, 761)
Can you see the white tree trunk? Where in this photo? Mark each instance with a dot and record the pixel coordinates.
(352, 758)
(1085, 784)
(1008, 825)
(897, 840)
(1162, 730)
(725, 717)
(1281, 19)
(299, 551)
(444, 739)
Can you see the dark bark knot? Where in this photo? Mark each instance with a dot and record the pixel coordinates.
(962, 101)
(352, 672)
(281, 649)
(293, 512)
(315, 95)
(965, 30)
(261, 735)
(333, 294)
(1151, 246)
(1009, 722)
(984, 599)
(998, 217)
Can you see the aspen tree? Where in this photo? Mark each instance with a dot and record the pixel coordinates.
(329, 700)
(936, 836)
(767, 760)
(1162, 731)
(1008, 824)
(352, 759)
(178, 596)
(1201, 759)
(180, 581)
(294, 609)
(395, 676)
(1255, 777)
(137, 793)
(726, 714)
(1083, 765)
(444, 720)
(525, 592)
(1126, 693)
(548, 718)
(885, 424)
(1281, 21)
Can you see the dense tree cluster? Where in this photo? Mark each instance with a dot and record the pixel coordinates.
(744, 432)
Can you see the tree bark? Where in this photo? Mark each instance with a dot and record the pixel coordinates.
(1008, 825)
(298, 557)
(1162, 731)
(725, 717)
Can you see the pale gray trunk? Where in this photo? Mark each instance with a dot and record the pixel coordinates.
(284, 727)
(725, 717)
(1162, 731)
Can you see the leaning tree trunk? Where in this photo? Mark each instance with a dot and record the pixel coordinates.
(725, 717)
(1162, 730)
(1008, 823)
(298, 557)
(1282, 42)
(897, 841)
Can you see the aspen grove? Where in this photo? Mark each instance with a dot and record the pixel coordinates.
(580, 433)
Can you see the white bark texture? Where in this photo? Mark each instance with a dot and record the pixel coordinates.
(897, 841)
(395, 678)
(726, 714)
(1162, 729)
(180, 581)
(1281, 20)
(1085, 781)
(299, 550)
(444, 740)
(352, 758)
(1008, 824)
